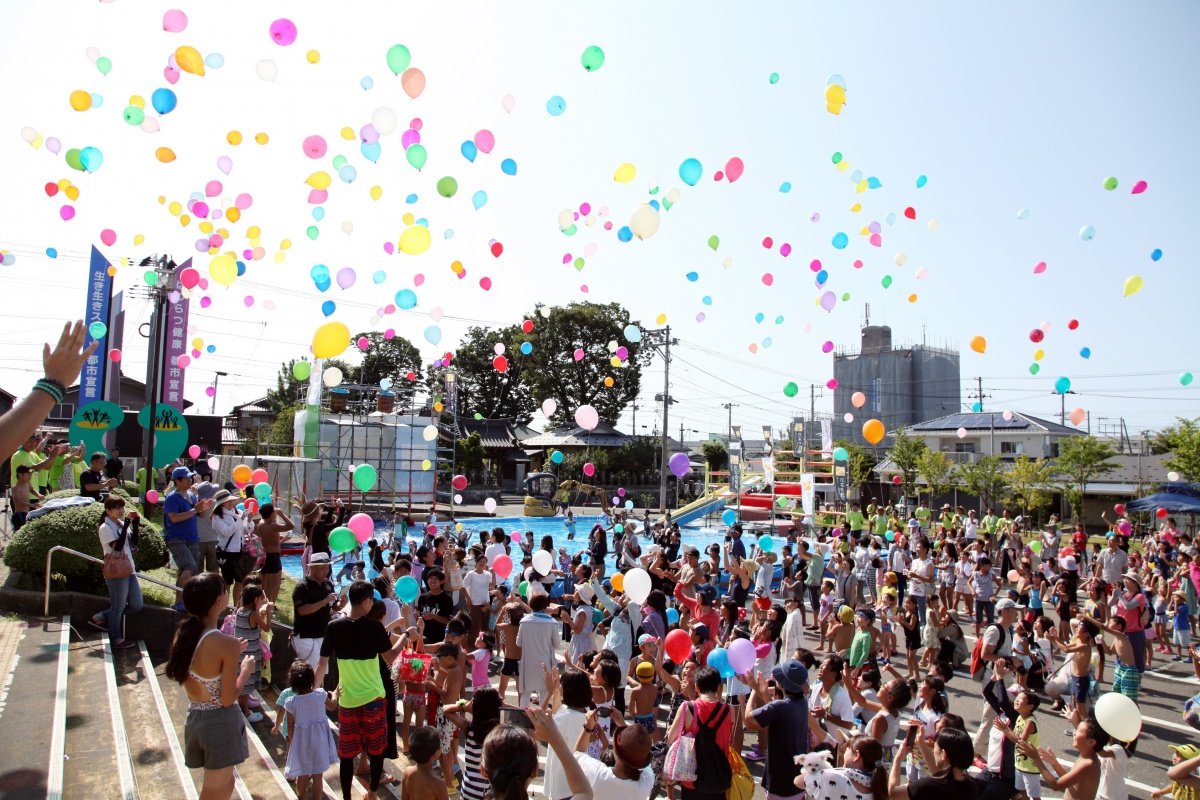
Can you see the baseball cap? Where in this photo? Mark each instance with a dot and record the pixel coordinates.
(1005, 604)
(646, 637)
(1185, 750)
(708, 592)
(645, 671)
(701, 630)
(205, 490)
(179, 473)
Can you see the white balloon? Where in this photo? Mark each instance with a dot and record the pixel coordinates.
(1173, 477)
(566, 217)
(214, 463)
(643, 222)
(1007, 416)
(1118, 716)
(637, 585)
(489, 505)
(347, 227)
(543, 562)
(498, 348)
(429, 433)
(900, 259)
(267, 70)
(92, 54)
(672, 196)
(962, 433)
(549, 406)
(331, 377)
(932, 226)
(727, 263)
(149, 125)
(383, 120)
(849, 417)
(29, 135)
(587, 417)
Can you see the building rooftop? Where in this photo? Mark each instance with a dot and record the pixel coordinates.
(987, 420)
(603, 435)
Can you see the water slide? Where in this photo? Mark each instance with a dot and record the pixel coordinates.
(710, 503)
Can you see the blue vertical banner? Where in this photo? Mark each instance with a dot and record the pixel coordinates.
(99, 294)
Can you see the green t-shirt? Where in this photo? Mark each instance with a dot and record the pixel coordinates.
(357, 645)
(923, 516)
(855, 518)
(880, 524)
(989, 523)
(860, 648)
(141, 479)
(26, 458)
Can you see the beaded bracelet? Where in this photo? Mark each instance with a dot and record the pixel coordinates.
(52, 388)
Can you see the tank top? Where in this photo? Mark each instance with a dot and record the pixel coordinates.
(210, 685)
(1025, 763)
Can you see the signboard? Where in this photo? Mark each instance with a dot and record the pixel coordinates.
(99, 295)
(808, 495)
(170, 435)
(876, 402)
(175, 337)
(798, 438)
(735, 467)
(827, 435)
(841, 479)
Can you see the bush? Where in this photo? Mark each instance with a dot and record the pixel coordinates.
(127, 490)
(76, 528)
(61, 493)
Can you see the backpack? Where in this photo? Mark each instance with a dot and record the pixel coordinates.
(713, 773)
(1145, 615)
(977, 662)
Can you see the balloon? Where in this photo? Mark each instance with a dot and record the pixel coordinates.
(587, 417)
(174, 21)
(592, 58)
(1035, 546)
(479, 199)
(543, 562)
(1077, 415)
(678, 644)
(1087, 233)
(262, 491)
(346, 277)
(223, 269)
(1118, 716)
(1110, 183)
(500, 363)
(283, 32)
(556, 457)
(766, 543)
(790, 389)
(331, 377)
(412, 82)
(690, 172)
(267, 69)
(407, 589)
(858, 399)
(163, 100)
(1185, 378)
(398, 58)
(625, 173)
(414, 241)
(447, 187)
(589, 469)
(331, 339)
(840, 454)
(734, 169)
(873, 431)
(151, 496)
(1161, 513)
(90, 159)
(508, 166)
(194, 450)
(469, 150)
(718, 659)
(643, 222)
(1172, 477)
(242, 475)
(679, 465)
(1062, 385)
(555, 106)
(1133, 285)
(165, 154)
(416, 156)
(978, 344)
(502, 565)
(80, 100)
(188, 59)
(840, 240)
(365, 477)
(741, 656)
(362, 526)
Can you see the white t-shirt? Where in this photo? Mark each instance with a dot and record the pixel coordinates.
(477, 585)
(494, 549)
(391, 611)
(570, 723)
(991, 637)
(607, 786)
(971, 527)
(917, 587)
(109, 533)
(1112, 774)
(838, 705)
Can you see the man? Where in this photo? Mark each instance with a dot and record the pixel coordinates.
(856, 519)
(477, 586)
(998, 780)
(829, 701)
(1112, 563)
(989, 523)
(920, 579)
(313, 600)
(997, 644)
(538, 636)
(786, 720)
(30, 455)
(358, 642)
(208, 535)
(496, 548)
(268, 530)
(435, 606)
(738, 550)
(92, 483)
(924, 515)
(145, 482)
(114, 467)
(813, 574)
(182, 534)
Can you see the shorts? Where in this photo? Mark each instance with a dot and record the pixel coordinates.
(647, 721)
(1127, 681)
(413, 699)
(186, 554)
(1079, 688)
(308, 649)
(1181, 637)
(511, 668)
(272, 566)
(362, 728)
(215, 739)
(18, 519)
(1030, 783)
(446, 730)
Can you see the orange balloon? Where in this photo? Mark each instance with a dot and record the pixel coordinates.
(873, 431)
(241, 474)
(978, 344)
(412, 81)
(858, 398)
(189, 60)
(165, 154)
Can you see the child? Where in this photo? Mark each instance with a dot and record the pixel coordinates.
(1022, 652)
(510, 617)
(481, 658)
(642, 705)
(932, 705)
(420, 782)
(983, 583)
(1079, 676)
(841, 635)
(860, 645)
(1083, 777)
(446, 682)
(886, 612)
(252, 619)
(24, 498)
(910, 622)
(311, 749)
(1037, 589)
(964, 571)
(1161, 600)
(1126, 679)
(1181, 635)
(1028, 777)
(569, 523)
(823, 616)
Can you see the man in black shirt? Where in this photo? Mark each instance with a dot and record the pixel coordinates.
(314, 601)
(114, 467)
(435, 607)
(92, 483)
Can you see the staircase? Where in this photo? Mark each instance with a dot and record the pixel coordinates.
(79, 720)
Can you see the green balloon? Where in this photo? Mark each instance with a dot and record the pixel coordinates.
(1034, 369)
(887, 281)
(837, 158)
(1110, 183)
(774, 79)
(845, 296)
(72, 158)
(301, 370)
(341, 540)
(339, 162)
(714, 242)
(1186, 379)
(619, 528)
(592, 58)
(398, 58)
(313, 232)
(365, 477)
(791, 389)
(523, 589)
(447, 186)
(579, 262)
(262, 491)
(150, 277)
(104, 64)
(416, 155)
(134, 115)
(571, 231)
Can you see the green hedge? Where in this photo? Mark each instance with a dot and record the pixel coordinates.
(76, 528)
(127, 490)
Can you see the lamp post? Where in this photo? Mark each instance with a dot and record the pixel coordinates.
(766, 431)
(735, 461)
(452, 405)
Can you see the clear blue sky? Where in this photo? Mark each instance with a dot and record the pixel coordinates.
(1016, 105)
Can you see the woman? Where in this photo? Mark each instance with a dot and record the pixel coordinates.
(862, 776)
(654, 615)
(510, 758)
(317, 521)
(212, 669)
(570, 720)
(881, 717)
(1129, 603)
(119, 536)
(582, 623)
(599, 548)
(739, 578)
(950, 746)
(709, 711)
(227, 524)
(484, 708)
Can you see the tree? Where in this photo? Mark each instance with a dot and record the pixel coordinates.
(906, 455)
(552, 370)
(861, 462)
(273, 439)
(938, 471)
(636, 456)
(1080, 459)
(288, 389)
(469, 454)
(392, 358)
(715, 454)
(1028, 484)
(985, 479)
(1182, 442)
(482, 389)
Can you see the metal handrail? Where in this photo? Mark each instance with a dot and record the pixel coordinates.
(93, 559)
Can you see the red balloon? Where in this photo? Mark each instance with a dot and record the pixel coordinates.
(1036, 335)
(500, 363)
(497, 249)
(1161, 513)
(910, 212)
(768, 242)
(259, 476)
(527, 326)
(251, 505)
(51, 189)
(1120, 509)
(459, 482)
(897, 480)
(1073, 324)
(502, 565)
(678, 645)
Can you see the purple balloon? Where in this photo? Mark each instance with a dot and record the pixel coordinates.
(388, 248)
(410, 137)
(828, 301)
(679, 465)
(622, 353)
(368, 134)
(346, 277)
(202, 245)
(53, 145)
(225, 164)
(741, 656)
(873, 227)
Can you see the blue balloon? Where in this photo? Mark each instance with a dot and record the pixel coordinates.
(91, 159)
(556, 106)
(693, 276)
(469, 150)
(766, 543)
(767, 342)
(1062, 385)
(424, 223)
(672, 616)
(690, 172)
(380, 276)
(785, 187)
(347, 173)
(921, 181)
(97, 100)
(406, 299)
(328, 307)
(654, 204)
(718, 659)
(370, 151)
(212, 348)
(241, 265)
(706, 300)
(508, 166)
(319, 273)
(214, 61)
(856, 176)
(318, 213)
(479, 200)
(729, 517)
(629, 505)
(433, 334)
(412, 198)
(822, 276)
(163, 100)
(449, 234)
(51, 252)
(759, 317)
(366, 83)
(1155, 254)
(556, 457)
(977, 407)
(624, 234)
(873, 183)
(323, 286)
(632, 333)
(890, 219)
(385, 384)
(840, 240)
(526, 348)
(1086, 352)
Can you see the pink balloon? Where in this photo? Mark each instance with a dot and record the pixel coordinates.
(587, 417)
(205, 302)
(200, 209)
(314, 146)
(194, 451)
(388, 248)
(216, 240)
(502, 565)
(183, 361)
(363, 343)
(768, 278)
(485, 284)
(827, 347)
(418, 279)
(1039, 268)
(151, 496)
(174, 21)
(172, 76)
(212, 188)
(785, 250)
(225, 164)
(409, 138)
(203, 283)
(579, 354)
(416, 124)
(67, 213)
(831, 383)
(734, 169)
(485, 140)
(622, 353)
(390, 333)
(876, 240)
(589, 469)
(243, 201)
(815, 265)
(362, 525)
(318, 196)
(1138, 187)
(108, 236)
(114, 355)
(211, 391)
(283, 32)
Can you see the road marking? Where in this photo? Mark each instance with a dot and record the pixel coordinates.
(124, 763)
(185, 777)
(58, 736)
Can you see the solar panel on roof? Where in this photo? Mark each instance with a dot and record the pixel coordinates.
(985, 421)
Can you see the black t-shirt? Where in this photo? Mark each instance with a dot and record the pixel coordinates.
(943, 789)
(355, 639)
(440, 604)
(307, 592)
(91, 478)
(113, 467)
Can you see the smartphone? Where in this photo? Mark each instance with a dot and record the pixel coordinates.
(518, 717)
(911, 738)
(604, 712)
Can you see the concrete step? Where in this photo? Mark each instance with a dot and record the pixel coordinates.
(90, 768)
(30, 711)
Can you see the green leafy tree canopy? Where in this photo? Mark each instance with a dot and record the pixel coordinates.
(985, 479)
(1182, 442)
(1080, 459)
(938, 471)
(1028, 483)
(288, 391)
(387, 358)
(482, 389)
(906, 455)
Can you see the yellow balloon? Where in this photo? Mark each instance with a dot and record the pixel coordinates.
(286, 244)
(138, 239)
(165, 154)
(1133, 285)
(280, 257)
(426, 464)
(408, 219)
(862, 186)
(137, 100)
(625, 173)
(661, 319)
(37, 142)
(255, 242)
(843, 166)
(313, 56)
(72, 192)
(319, 180)
(912, 298)
(206, 227)
(197, 343)
(253, 232)
(189, 60)
(1038, 355)
(81, 100)
(438, 407)
(833, 108)
(112, 271)
(175, 208)
(835, 94)
(63, 184)
(234, 138)
(415, 240)
(376, 191)
(615, 361)
(233, 213)
(261, 138)
(857, 207)
(331, 339)
(456, 267)
(223, 270)
(348, 134)
(184, 220)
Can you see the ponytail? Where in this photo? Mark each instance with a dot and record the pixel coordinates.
(870, 751)
(510, 759)
(200, 594)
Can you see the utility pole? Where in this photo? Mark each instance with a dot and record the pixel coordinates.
(729, 426)
(661, 341)
(812, 420)
(158, 329)
(216, 378)
(1062, 403)
(979, 397)
(635, 408)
